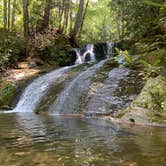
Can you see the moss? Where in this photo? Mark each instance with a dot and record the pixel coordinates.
(152, 98)
(7, 93)
(153, 95)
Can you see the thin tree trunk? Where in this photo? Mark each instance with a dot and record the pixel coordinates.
(78, 22)
(86, 7)
(66, 14)
(5, 14)
(71, 21)
(61, 12)
(103, 30)
(13, 13)
(46, 17)
(8, 15)
(25, 4)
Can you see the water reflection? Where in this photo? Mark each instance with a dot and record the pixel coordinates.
(29, 139)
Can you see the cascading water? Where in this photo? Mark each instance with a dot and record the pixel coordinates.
(104, 101)
(90, 51)
(69, 100)
(81, 58)
(34, 93)
(110, 49)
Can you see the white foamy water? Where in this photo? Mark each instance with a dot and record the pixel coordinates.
(35, 91)
(69, 100)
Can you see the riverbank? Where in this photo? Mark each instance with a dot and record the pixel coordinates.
(14, 80)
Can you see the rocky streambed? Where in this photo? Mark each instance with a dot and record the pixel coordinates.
(106, 89)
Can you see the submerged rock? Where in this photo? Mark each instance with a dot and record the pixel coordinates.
(150, 105)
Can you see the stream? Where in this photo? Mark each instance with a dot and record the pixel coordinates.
(69, 133)
(30, 139)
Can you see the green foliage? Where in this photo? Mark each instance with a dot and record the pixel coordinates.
(7, 92)
(98, 24)
(134, 18)
(125, 59)
(124, 54)
(58, 50)
(150, 70)
(11, 48)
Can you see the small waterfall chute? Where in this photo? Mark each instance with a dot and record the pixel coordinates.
(110, 49)
(90, 51)
(70, 100)
(81, 57)
(34, 92)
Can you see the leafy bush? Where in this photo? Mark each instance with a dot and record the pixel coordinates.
(58, 50)
(11, 47)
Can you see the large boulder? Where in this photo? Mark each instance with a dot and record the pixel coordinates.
(150, 105)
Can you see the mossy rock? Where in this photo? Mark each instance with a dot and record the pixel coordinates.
(7, 93)
(153, 95)
(152, 99)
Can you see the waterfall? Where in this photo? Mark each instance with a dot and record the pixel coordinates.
(69, 100)
(81, 58)
(110, 49)
(89, 50)
(93, 52)
(34, 93)
(105, 101)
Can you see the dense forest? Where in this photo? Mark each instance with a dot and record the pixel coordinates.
(82, 82)
(49, 29)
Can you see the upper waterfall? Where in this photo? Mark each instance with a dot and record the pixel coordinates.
(93, 52)
(88, 55)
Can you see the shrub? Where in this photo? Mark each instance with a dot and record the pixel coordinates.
(58, 50)
(11, 48)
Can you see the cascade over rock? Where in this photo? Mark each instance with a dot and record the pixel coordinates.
(71, 99)
(35, 91)
(93, 52)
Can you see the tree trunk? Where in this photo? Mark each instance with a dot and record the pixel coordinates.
(25, 4)
(78, 22)
(5, 14)
(103, 30)
(61, 12)
(87, 3)
(66, 15)
(8, 15)
(46, 17)
(13, 13)
(71, 21)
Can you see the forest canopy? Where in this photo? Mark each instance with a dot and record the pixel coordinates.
(82, 21)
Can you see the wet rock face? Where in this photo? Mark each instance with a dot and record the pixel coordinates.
(7, 93)
(152, 100)
(101, 50)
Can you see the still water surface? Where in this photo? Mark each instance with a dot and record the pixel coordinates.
(27, 139)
